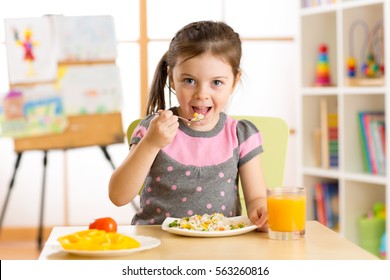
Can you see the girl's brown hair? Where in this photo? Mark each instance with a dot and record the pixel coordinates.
(192, 40)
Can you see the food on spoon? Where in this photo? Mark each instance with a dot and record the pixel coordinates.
(206, 222)
(197, 117)
(97, 240)
(107, 224)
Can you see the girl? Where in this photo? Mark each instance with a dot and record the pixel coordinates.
(185, 168)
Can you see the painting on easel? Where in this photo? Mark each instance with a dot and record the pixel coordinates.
(91, 89)
(32, 111)
(85, 38)
(64, 83)
(30, 50)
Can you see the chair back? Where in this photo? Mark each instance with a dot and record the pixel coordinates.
(275, 134)
(131, 128)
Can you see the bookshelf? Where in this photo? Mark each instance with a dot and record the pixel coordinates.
(332, 23)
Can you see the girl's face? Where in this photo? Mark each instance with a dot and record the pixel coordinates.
(203, 84)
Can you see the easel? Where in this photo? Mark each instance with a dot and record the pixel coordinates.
(82, 131)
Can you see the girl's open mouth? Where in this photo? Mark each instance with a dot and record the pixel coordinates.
(203, 110)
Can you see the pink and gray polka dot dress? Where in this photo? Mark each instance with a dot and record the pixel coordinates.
(198, 172)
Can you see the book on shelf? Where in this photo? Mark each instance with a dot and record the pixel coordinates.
(324, 133)
(317, 146)
(326, 138)
(326, 209)
(372, 136)
(319, 209)
(315, 3)
(333, 139)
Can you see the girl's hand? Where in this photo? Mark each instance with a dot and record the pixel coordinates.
(162, 129)
(259, 217)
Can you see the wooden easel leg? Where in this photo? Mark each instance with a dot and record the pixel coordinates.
(11, 184)
(40, 230)
(107, 156)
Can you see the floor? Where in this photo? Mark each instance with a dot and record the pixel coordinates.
(20, 243)
(19, 250)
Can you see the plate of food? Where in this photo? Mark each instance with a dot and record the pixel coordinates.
(97, 243)
(214, 225)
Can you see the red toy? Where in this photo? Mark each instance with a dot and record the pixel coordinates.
(322, 68)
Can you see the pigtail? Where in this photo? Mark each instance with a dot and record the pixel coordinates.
(156, 99)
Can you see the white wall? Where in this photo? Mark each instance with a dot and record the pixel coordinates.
(82, 175)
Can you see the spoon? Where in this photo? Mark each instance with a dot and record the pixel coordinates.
(195, 120)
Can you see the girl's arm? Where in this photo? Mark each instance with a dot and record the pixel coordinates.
(255, 192)
(128, 178)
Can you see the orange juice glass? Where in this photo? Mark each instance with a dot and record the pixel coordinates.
(286, 213)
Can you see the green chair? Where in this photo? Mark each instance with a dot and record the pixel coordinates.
(275, 136)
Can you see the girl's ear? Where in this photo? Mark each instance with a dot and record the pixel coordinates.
(236, 80)
(170, 77)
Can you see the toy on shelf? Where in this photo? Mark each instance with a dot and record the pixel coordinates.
(382, 248)
(322, 67)
(371, 56)
(351, 67)
(380, 211)
(370, 69)
(372, 227)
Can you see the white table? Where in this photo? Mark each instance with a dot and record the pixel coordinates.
(319, 243)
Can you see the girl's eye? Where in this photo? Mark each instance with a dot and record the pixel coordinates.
(189, 81)
(217, 83)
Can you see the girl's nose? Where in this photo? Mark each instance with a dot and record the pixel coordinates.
(202, 92)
